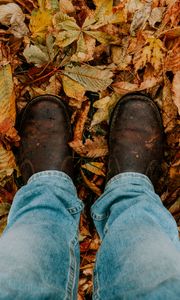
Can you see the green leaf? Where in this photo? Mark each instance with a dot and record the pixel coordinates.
(94, 79)
(34, 54)
(65, 38)
(64, 22)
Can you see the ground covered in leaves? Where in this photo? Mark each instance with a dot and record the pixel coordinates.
(91, 53)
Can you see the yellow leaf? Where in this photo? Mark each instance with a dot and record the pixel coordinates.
(72, 88)
(105, 106)
(91, 185)
(94, 167)
(39, 22)
(7, 106)
(153, 53)
(7, 163)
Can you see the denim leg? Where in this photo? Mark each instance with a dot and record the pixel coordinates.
(39, 251)
(140, 253)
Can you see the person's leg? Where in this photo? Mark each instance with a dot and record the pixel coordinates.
(140, 253)
(39, 251)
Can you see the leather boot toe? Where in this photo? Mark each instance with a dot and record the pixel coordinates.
(44, 127)
(136, 137)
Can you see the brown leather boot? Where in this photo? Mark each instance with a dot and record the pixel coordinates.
(45, 130)
(136, 137)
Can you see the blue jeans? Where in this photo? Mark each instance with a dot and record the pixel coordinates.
(39, 253)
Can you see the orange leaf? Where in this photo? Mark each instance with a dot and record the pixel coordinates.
(94, 167)
(78, 131)
(90, 184)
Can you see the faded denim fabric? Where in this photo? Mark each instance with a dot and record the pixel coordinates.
(140, 253)
(39, 250)
(39, 253)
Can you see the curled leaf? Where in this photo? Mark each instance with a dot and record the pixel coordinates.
(11, 15)
(91, 185)
(94, 167)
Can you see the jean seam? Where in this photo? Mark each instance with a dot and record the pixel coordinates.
(95, 285)
(72, 270)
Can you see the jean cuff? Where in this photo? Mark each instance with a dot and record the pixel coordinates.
(130, 177)
(53, 174)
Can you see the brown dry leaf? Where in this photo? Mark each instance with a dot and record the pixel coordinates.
(73, 89)
(169, 109)
(11, 15)
(172, 62)
(7, 163)
(3, 223)
(94, 167)
(91, 148)
(175, 208)
(156, 16)
(7, 105)
(90, 184)
(172, 15)
(82, 118)
(140, 17)
(176, 90)
(66, 6)
(124, 87)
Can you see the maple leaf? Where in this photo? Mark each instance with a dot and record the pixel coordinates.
(91, 148)
(105, 107)
(39, 22)
(91, 78)
(153, 52)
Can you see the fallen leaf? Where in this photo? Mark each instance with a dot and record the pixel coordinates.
(79, 127)
(153, 52)
(91, 78)
(34, 54)
(104, 106)
(91, 148)
(140, 17)
(169, 109)
(94, 167)
(176, 90)
(156, 16)
(66, 6)
(72, 88)
(7, 106)
(11, 15)
(39, 22)
(90, 184)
